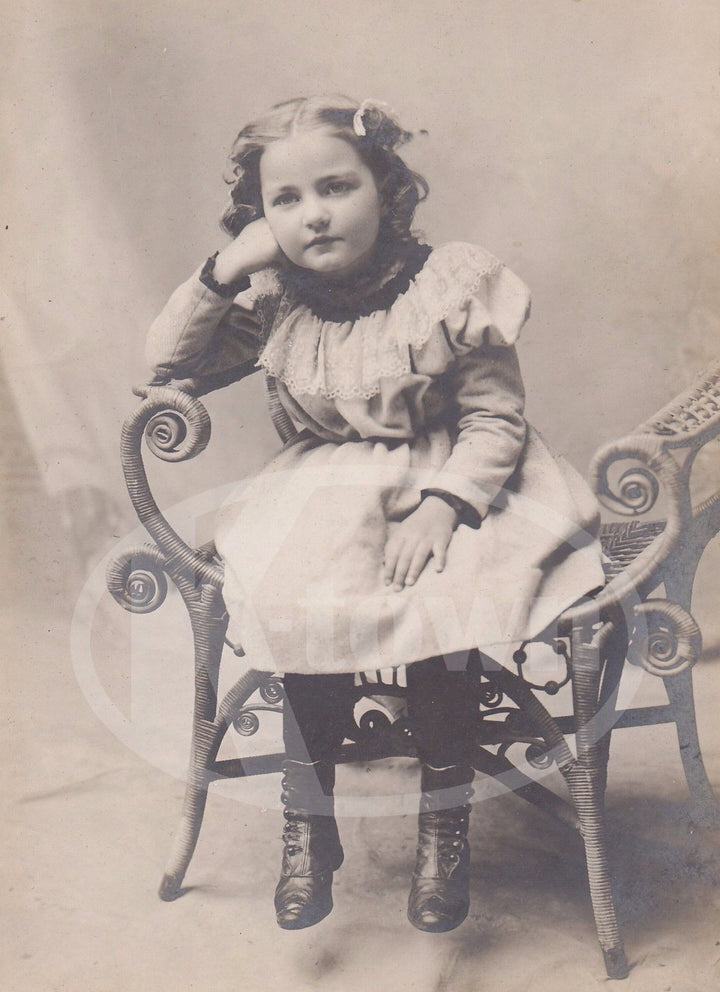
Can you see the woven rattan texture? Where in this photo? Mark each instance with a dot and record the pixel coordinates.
(695, 409)
(623, 542)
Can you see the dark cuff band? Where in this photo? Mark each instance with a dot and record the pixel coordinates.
(227, 290)
(467, 514)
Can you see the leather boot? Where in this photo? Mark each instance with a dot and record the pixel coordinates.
(312, 849)
(440, 892)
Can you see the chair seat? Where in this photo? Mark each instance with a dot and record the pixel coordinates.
(623, 541)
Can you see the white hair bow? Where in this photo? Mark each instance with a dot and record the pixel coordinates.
(370, 104)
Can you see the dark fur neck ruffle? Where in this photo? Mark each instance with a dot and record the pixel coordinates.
(387, 277)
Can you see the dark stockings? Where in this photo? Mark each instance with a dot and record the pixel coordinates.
(442, 706)
(317, 708)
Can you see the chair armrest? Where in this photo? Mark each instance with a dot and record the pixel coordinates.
(654, 466)
(176, 427)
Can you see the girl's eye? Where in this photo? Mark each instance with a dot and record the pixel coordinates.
(339, 186)
(284, 198)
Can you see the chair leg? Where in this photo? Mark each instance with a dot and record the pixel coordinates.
(587, 797)
(678, 587)
(209, 623)
(680, 695)
(184, 842)
(586, 779)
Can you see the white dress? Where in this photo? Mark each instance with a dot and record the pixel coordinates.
(425, 394)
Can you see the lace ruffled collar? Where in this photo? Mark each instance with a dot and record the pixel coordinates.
(347, 358)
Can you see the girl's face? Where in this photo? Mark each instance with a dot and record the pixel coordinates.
(321, 202)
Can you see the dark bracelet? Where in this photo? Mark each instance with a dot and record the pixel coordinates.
(467, 514)
(226, 290)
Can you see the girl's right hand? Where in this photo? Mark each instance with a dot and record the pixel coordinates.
(254, 248)
(426, 532)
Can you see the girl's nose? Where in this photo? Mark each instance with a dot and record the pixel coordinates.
(316, 214)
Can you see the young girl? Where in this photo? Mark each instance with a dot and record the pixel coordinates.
(414, 516)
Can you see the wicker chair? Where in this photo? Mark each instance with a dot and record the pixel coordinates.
(594, 640)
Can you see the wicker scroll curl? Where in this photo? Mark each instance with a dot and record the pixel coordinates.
(666, 640)
(180, 432)
(634, 490)
(136, 580)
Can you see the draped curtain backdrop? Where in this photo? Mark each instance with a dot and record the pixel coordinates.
(576, 140)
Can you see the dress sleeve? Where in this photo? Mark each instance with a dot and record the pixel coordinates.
(486, 393)
(200, 332)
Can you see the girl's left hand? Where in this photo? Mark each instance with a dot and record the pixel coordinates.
(427, 531)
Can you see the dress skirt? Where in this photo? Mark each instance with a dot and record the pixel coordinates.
(303, 547)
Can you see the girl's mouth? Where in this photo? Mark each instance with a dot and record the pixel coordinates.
(322, 240)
